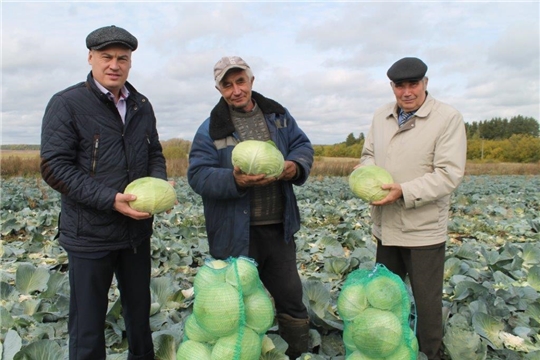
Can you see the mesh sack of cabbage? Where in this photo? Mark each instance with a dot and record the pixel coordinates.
(375, 308)
(231, 312)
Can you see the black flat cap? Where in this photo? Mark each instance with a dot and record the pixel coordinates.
(109, 35)
(407, 69)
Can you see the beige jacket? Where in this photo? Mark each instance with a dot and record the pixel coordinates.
(427, 157)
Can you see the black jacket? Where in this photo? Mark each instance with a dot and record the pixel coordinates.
(89, 155)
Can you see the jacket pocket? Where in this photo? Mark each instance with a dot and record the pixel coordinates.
(422, 218)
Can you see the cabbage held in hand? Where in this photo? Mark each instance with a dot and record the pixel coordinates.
(154, 195)
(365, 182)
(258, 157)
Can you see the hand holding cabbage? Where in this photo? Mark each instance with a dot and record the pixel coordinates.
(375, 185)
(259, 163)
(153, 195)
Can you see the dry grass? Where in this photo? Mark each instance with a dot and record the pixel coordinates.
(26, 163)
(502, 168)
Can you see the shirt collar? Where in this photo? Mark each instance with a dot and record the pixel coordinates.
(124, 92)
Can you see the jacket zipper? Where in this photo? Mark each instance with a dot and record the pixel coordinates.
(94, 154)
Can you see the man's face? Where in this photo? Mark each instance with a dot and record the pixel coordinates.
(410, 95)
(110, 67)
(236, 89)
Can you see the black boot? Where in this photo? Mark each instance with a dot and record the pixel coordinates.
(296, 333)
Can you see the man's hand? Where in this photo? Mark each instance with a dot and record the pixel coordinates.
(289, 171)
(394, 194)
(121, 204)
(244, 180)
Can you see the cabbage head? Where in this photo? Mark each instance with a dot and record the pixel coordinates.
(258, 157)
(366, 181)
(243, 275)
(217, 309)
(357, 355)
(212, 272)
(190, 349)
(248, 347)
(194, 331)
(377, 333)
(383, 293)
(154, 195)
(352, 301)
(259, 311)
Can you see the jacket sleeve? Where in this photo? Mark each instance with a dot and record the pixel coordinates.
(448, 164)
(368, 156)
(59, 141)
(210, 171)
(300, 149)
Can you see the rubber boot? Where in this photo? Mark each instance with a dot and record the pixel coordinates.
(296, 333)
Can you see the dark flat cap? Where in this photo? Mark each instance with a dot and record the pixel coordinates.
(109, 35)
(407, 69)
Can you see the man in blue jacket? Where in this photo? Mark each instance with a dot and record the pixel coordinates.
(98, 136)
(250, 214)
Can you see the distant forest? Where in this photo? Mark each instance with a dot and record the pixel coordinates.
(499, 140)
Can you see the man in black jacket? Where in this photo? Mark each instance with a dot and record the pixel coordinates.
(98, 136)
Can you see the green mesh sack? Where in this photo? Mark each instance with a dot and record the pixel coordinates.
(375, 308)
(232, 310)
(191, 350)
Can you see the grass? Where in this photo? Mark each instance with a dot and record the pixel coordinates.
(25, 163)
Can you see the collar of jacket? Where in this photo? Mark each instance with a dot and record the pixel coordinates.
(221, 124)
(422, 112)
(90, 84)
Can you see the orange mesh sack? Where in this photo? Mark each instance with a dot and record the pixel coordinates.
(375, 308)
(231, 312)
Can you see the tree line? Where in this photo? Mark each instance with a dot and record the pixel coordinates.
(496, 140)
(500, 129)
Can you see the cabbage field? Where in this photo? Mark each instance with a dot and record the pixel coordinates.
(491, 289)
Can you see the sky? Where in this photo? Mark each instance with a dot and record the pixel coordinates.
(325, 61)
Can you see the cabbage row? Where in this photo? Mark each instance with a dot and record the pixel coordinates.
(491, 289)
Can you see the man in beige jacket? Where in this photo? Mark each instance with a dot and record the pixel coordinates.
(422, 143)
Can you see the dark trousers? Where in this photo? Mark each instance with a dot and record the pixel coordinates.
(425, 267)
(90, 280)
(276, 261)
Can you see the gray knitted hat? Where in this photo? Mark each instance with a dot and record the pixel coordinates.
(108, 35)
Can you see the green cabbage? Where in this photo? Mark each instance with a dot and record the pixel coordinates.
(377, 333)
(383, 293)
(243, 275)
(365, 182)
(258, 157)
(212, 272)
(190, 349)
(249, 348)
(348, 340)
(259, 311)
(351, 301)
(194, 331)
(403, 352)
(154, 195)
(357, 355)
(217, 309)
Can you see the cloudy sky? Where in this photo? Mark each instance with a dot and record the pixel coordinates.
(325, 61)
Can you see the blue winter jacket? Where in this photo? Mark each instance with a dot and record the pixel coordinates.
(210, 174)
(89, 155)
